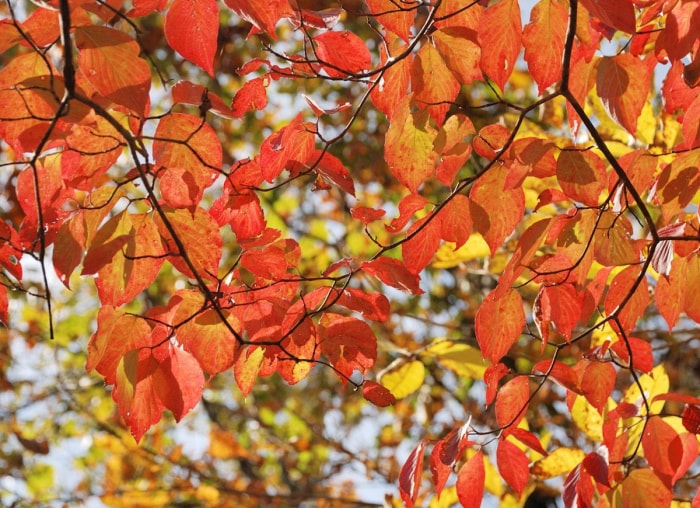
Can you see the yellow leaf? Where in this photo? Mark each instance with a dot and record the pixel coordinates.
(653, 384)
(560, 462)
(223, 445)
(587, 418)
(448, 498)
(405, 379)
(646, 125)
(448, 257)
(462, 359)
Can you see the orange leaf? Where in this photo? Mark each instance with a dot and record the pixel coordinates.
(348, 343)
(109, 61)
(597, 383)
(408, 148)
(495, 211)
(191, 28)
(512, 402)
(203, 333)
(395, 19)
(460, 49)
(582, 176)
(200, 238)
(623, 85)
(455, 221)
(499, 322)
(393, 82)
(394, 273)
(619, 289)
(500, 31)
(342, 53)
(433, 84)
(247, 367)
(642, 488)
(543, 39)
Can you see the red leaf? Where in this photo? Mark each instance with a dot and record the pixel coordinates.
(512, 402)
(419, 249)
(410, 476)
(642, 488)
(366, 215)
(559, 372)
(408, 206)
(348, 343)
(559, 305)
(623, 85)
(374, 306)
(186, 92)
(513, 465)
(263, 14)
(470, 481)
(330, 167)
(658, 451)
(268, 263)
(597, 466)
(691, 418)
(191, 28)
(342, 53)
(289, 148)
(492, 377)
(179, 382)
(446, 453)
(135, 393)
(377, 394)
(394, 273)
(499, 322)
(617, 14)
(642, 357)
(127, 253)
(528, 438)
(543, 39)
(250, 97)
(500, 32)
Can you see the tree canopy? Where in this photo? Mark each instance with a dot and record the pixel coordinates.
(352, 252)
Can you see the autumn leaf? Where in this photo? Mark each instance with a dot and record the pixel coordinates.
(191, 27)
(500, 31)
(543, 39)
(623, 85)
(409, 146)
(499, 322)
(342, 53)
